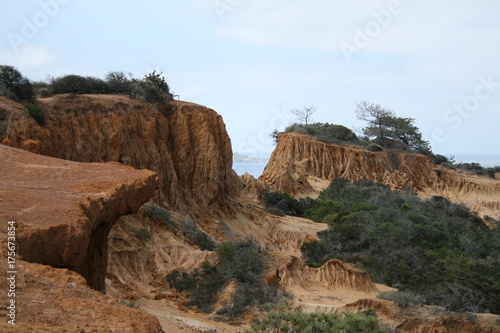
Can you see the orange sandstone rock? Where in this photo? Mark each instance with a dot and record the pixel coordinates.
(64, 210)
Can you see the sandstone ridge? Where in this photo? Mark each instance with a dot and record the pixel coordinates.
(302, 165)
(64, 210)
(185, 143)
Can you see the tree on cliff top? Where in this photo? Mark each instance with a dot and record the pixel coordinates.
(377, 117)
(390, 131)
(304, 114)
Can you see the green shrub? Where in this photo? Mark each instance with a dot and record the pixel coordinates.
(153, 88)
(157, 212)
(244, 263)
(402, 298)
(196, 236)
(321, 209)
(76, 84)
(3, 121)
(36, 113)
(275, 211)
(15, 86)
(119, 82)
(44, 92)
(283, 321)
(325, 132)
(375, 147)
(281, 204)
(142, 234)
(441, 159)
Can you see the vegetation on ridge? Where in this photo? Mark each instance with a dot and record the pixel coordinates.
(384, 130)
(152, 88)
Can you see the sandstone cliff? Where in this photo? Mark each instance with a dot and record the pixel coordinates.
(303, 166)
(64, 210)
(186, 144)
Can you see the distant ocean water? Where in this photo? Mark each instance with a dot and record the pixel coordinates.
(254, 169)
(484, 160)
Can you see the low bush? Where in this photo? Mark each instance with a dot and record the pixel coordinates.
(76, 84)
(14, 85)
(156, 212)
(443, 160)
(375, 147)
(325, 132)
(152, 88)
(243, 262)
(402, 298)
(142, 234)
(280, 320)
(477, 169)
(3, 121)
(36, 113)
(119, 82)
(491, 172)
(281, 204)
(195, 235)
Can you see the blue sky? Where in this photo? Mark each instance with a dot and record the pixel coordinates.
(254, 60)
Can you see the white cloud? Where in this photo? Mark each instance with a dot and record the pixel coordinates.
(28, 57)
(415, 28)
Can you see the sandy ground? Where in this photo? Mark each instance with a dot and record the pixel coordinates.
(174, 320)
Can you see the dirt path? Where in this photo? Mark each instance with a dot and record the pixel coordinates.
(174, 320)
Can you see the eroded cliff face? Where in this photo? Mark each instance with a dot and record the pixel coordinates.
(64, 210)
(303, 166)
(185, 143)
(335, 274)
(62, 213)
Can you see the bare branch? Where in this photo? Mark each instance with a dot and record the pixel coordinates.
(304, 114)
